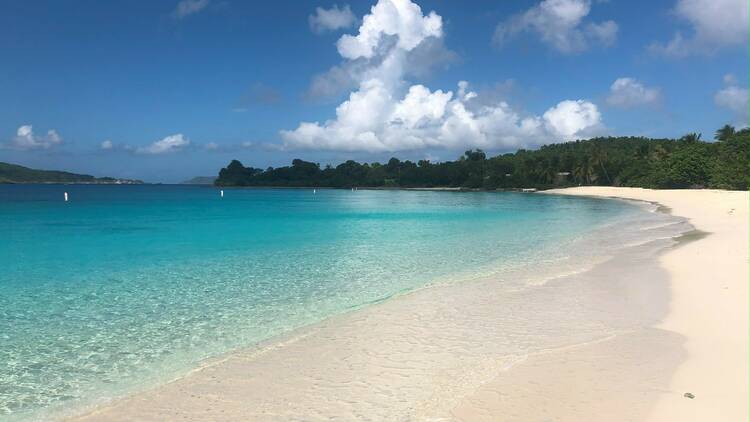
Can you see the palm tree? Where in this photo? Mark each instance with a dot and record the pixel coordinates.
(583, 172)
(599, 157)
(691, 137)
(725, 132)
(546, 171)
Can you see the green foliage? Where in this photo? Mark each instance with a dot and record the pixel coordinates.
(618, 161)
(725, 133)
(11, 173)
(731, 169)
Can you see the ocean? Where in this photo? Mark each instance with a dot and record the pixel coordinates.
(126, 287)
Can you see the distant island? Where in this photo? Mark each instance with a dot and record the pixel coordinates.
(687, 162)
(200, 180)
(12, 173)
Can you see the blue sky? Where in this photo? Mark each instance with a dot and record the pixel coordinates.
(166, 90)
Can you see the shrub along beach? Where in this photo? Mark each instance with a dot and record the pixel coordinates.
(622, 161)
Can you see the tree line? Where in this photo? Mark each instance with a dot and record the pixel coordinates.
(687, 162)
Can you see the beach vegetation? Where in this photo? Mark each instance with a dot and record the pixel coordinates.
(687, 162)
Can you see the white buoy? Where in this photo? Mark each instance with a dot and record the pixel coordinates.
(65, 195)
(314, 191)
(222, 193)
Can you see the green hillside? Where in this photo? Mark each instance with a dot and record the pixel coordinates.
(13, 173)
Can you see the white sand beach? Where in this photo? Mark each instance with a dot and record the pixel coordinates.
(709, 305)
(680, 321)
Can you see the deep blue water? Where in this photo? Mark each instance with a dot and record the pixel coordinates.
(124, 286)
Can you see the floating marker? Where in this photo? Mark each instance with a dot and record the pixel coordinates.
(314, 191)
(221, 192)
(65, 195)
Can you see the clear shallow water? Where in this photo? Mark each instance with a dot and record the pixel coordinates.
(125, 286)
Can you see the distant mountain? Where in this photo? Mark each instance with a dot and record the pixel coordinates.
(12, 173)
(200, 180)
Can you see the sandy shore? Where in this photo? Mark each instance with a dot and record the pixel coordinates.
(461, 351)
(709, 307)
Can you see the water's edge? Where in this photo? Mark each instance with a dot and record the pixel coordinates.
(299, 333)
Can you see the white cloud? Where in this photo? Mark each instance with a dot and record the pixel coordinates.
(573, 119)
(394, 40)
(172, 143)
(107, 145)
(417, 62)
(559, 24)
(331, 19)
(385, 113)
(400, 18)
(629, 92)
(733, 98)
(605, 33)
(26, 139)
(714, 24)
(186, 8)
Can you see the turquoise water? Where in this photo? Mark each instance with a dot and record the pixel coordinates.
(126, 286)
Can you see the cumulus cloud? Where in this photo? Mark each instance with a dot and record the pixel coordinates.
(107, 145)
(385, 113)
(172, 143)
(714, 24)
(733, 98)
(559, 24)
(417, 62)
(378, 40)
(26, 139)
(629, 92)
(401, 19)
(186, 8)
(331, 19)
(573, 119)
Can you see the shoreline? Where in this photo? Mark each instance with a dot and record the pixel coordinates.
(709, 303)
(484, 400)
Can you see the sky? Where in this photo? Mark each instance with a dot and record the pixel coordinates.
(164, 90)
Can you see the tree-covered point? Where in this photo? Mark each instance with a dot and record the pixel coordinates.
(687, 162)
(13, 173)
